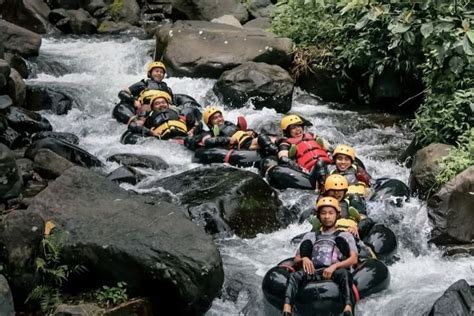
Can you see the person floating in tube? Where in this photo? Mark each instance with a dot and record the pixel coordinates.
(327, 254)
(303, 151)
(229, 135)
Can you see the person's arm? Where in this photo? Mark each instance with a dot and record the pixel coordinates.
(349, 262)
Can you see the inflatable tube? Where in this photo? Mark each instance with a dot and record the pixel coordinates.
(123, 111)
(384, 188)
(130, 138)
(64, 149)
(323, 297)
(240, 158)
(282, 177)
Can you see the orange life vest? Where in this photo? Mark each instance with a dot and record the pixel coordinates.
(308, 151)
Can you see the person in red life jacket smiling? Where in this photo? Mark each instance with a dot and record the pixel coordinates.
(303, 151)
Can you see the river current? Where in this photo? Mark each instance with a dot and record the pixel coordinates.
(93, 70)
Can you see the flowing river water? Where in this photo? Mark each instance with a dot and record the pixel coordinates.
(93, 70)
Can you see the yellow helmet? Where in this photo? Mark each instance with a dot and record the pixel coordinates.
(160, 94)
(328, 201)
(358, 189)
(155, 64)
(290, 120)
(146, 96)
(336, 182)
(345, 150)
(208, 112)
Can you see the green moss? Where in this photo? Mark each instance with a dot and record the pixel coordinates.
(116, 6)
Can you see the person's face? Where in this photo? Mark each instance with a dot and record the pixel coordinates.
(343, 162)
(157, 74)
(296, 130)
(337, 194)
(328, 216)
(217, 119)
(160, 104)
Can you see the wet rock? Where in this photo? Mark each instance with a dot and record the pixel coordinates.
(30, 14)
(111, 27)
(208, 9)
(18, 63)
(260, 8)
(22, 120)
(224, 199)
(10, 179)
(458, 299)
(50, 165)
(134, 307)
(73, 21)
(268, 85)
(95, 5)
(25, 167)
(6, 299)
(150, 244)
(125, 11)
(321, 83)
(125, 174)
(5, 102)
(67, 4)
(3, 121)
(450, 210)
(140, 161)
(16, 88)
(78, 310)
(204, 49)
(40, 98)
(64, 149)
(67, 137)
(12, 139)
(459, 250)
(426, 167)
(227, 19)
(4, 69)
(19, 40)
(259, 23)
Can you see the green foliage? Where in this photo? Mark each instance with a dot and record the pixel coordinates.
(52, 274)
(116, 7)
(108, 296)
(357, 40)
(458, 159)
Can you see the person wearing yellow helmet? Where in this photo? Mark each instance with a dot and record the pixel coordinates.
(233, 136)
(304, 151)
(344, 157)
(327, 254)
(156, 71)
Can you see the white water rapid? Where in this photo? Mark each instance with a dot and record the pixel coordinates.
(93, 70)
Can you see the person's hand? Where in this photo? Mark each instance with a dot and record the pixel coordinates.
(153, 133)
(233, 141)
(308, 265)
(353, 230)
(327, 273)
(137, 104)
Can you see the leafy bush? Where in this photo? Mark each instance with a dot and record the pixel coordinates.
(108, 296)
(52, 274)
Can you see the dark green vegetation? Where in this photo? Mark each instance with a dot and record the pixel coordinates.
(429, 42)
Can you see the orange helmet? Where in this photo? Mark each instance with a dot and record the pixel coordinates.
(336, 182)
(328, 201)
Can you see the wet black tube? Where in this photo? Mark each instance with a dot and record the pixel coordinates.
(240, 158)
(123, 111)
(384, 188)
(282, 177)
(382, 240)
(131, 138)
(371, 276)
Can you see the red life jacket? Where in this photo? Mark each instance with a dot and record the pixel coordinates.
(308, 151)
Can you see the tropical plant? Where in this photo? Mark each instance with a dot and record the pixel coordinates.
(51, 273)
(108, 296)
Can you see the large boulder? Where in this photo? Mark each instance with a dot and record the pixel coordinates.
(11, 182)
(50, 165)
(224, 199)
(30, 14)
(18, 63)
(451, 212)
(458, 299)
(5, 102)
(140, 161)
(119, 236)
(125, 11)
(259, 23)
(260, 8)
(268, 85)
(73, 21)
(19, 40)
(205, 49)
(208, 9)
(426, 167)
(4, 73)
